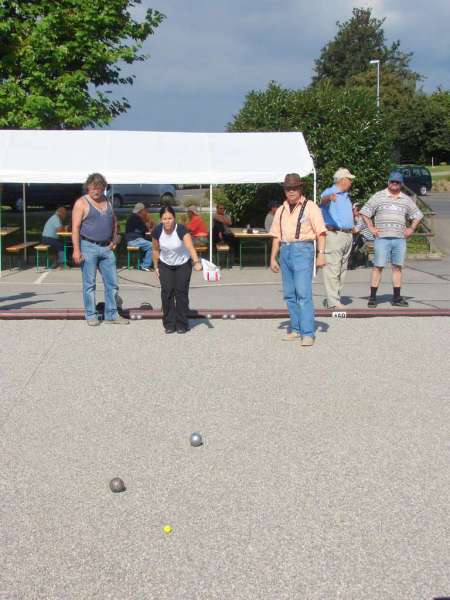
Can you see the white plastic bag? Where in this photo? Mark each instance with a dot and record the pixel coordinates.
(210, 271)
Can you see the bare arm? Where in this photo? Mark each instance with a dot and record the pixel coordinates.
(327, 199)
(273, 255)
(411, 229)
(320, 260)
(187, 239)
(370, 225)
(225, 219)
(155, 254)
(77, 217)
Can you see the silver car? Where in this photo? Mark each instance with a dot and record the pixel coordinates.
(150, 194)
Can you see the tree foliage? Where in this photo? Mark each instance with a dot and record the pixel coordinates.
(359, 40)
(54, 57)
(418, 122)
(341, 128)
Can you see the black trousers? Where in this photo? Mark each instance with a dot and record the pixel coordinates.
(175, 294)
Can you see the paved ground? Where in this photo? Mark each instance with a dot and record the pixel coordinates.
(427, 285)
(324, 473)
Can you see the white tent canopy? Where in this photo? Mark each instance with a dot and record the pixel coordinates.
(35, 156)
(68, 156)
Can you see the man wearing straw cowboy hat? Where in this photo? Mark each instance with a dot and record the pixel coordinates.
(338, 216)
(296, 225)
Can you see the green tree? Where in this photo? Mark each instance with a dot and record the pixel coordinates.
(56, 56)
(341, 128)
(437, 143)
(359, 40)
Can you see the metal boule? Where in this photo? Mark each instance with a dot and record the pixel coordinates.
(232, 316)
(138, 317)
(196, 439)
(209, 316)
(117, 485)
(225, 316)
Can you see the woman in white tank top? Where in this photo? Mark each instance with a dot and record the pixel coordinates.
(173, 257)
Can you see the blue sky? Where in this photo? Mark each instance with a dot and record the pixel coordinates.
(207, 55)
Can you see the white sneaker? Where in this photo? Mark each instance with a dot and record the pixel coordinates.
(93, 322)
(291, 336)
(307, 341)
(117, 321)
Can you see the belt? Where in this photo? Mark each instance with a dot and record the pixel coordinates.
(297, 242)
(105, 243)
(331, 228)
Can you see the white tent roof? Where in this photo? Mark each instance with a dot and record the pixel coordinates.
(35, 156)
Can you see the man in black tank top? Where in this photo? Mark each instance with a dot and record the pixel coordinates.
(94, 229)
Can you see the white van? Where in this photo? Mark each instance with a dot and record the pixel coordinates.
(150, 194)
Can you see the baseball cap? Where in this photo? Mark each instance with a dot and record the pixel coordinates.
(138, 207)
(396, 176)
(343, 174)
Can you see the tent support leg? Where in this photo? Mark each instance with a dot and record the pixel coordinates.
(1, 237)
(210, 224)
(24, 208)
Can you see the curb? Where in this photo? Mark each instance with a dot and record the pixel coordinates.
(76, 314)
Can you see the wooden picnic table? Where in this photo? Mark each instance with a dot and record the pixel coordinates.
(65, 235)
(247, 240)
(4, 231)
(7, 230)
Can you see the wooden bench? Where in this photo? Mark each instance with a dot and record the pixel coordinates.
(17, 249)
(201, 249)
(222, 248)
(42, 248)
(130, 251)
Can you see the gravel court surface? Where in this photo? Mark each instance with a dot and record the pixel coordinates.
(324, 472)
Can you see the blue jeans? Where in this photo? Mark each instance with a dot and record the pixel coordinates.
(103, 259)
(146, 247)
(389, 249)
(297, 263)
(58, 245)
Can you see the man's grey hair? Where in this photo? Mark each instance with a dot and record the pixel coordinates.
(95, 179)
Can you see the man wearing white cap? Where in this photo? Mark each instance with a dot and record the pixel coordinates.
(138, 224)
(338, 216)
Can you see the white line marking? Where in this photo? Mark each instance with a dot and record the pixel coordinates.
(41, 278)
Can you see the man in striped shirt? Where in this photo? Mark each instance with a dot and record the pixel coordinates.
(386, 214)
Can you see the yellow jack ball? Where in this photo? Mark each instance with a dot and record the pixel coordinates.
(167, 529)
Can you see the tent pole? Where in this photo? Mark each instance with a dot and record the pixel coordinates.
(1, 237)
(315, 201)
(24, 208)
(210, 223)
(315, 185)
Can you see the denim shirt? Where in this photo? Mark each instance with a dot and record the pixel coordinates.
(337, 213)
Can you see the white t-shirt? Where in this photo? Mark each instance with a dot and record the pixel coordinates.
(173, 252)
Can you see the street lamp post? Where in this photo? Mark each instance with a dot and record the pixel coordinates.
(377, 62)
